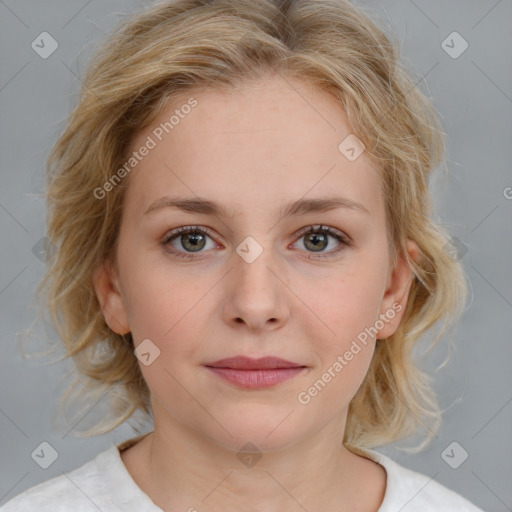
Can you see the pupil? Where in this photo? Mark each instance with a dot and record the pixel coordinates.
(317, 240)
(194, 240)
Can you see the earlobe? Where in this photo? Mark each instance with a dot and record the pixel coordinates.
(105, 284)
(397, 292)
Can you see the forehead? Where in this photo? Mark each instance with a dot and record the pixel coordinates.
(268, 142)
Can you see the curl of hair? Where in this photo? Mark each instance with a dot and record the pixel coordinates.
(173, 48)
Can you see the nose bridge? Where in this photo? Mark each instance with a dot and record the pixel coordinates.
(255, 261)
(256, 290)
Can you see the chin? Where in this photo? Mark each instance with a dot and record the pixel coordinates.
(268, 434)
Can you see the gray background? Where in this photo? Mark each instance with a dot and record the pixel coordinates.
(474, 96)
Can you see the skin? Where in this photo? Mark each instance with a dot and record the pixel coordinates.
(253, 151)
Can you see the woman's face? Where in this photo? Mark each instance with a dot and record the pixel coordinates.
(252, 280)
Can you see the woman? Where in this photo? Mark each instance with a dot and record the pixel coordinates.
(245, 252)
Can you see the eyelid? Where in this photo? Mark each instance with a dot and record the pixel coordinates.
(184, 230)
(306, 229)
(343, 239)
(328, 229)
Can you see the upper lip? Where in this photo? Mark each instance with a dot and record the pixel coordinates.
(250, 363)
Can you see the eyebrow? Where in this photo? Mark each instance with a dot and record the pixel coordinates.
(201, 206)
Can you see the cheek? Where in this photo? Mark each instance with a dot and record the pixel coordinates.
(167, 319)
(169, 316)
(341, 338)
(346, 308)
(159, 298)
(337, 309)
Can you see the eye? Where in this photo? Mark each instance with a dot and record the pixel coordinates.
(190, 238)
(187, 240)
(316, 239)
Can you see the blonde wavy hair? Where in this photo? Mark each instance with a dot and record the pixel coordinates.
(173, 46)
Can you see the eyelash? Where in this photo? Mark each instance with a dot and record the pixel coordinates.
(344, 240)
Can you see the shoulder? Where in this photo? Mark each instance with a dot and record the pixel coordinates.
(80, 490)
(412, 491)
(421, 493)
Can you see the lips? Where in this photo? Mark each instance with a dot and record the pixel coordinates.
(253, 374)
(249, 363)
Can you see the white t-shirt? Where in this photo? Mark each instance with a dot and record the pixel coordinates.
(104, 484)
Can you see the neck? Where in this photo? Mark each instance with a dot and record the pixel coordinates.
(181, 470)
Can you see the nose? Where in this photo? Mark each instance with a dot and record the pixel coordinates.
(256, 293)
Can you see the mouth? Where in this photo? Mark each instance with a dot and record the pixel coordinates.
(250, 373)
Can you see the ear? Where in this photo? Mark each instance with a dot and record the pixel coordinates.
(397, 292)
(105, 282)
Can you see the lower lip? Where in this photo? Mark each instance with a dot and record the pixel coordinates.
(256, 379)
